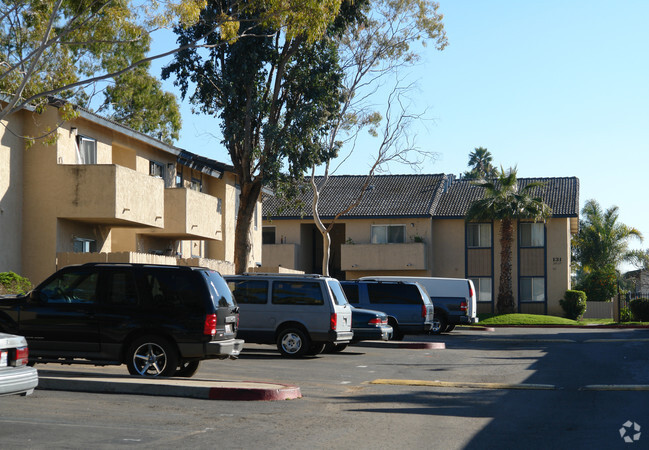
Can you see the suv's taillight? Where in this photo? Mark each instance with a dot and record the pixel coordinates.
(464, 306)
(210, 325)
(424, 311)
(21, 357)
(333, 321)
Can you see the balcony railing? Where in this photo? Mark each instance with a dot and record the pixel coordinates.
(362, 257)
(280, 255)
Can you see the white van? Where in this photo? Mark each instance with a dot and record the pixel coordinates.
(454, 300)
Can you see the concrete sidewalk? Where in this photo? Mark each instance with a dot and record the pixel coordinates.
(106, 383)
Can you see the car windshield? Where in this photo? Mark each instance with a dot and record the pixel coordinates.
(337, 291)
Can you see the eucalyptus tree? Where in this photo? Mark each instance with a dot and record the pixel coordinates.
(274, 92)
(371, 50)
(506, 200)
(71, 49)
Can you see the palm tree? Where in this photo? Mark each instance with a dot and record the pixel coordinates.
(505, 200)
(602, 241)
(480, 163)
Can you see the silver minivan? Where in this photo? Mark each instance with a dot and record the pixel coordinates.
(298, 313)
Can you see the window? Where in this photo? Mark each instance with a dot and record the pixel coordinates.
(254, 214)
(196, 185)
(156, 169)
(388, 294)
(122, 290)
(532, 234)
(297, 293)
(337, 291)
(483, 289)
(250, 292)
(268, 235)
(532, 289)
(81, 245)
(86, 150)
(179, 178)
(71, 287)
(388, 234)
(219, 205)
(351, 292)
(478, 235)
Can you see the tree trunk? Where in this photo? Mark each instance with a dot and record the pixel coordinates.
(248, 197)
(505, 304)
(326, 238)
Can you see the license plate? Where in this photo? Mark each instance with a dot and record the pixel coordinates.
(228, 328)
(3, 359)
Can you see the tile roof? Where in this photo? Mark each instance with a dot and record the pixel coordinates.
(561, 194)
(386, 196)
(437, 196)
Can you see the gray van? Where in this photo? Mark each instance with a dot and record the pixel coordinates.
(298, 313)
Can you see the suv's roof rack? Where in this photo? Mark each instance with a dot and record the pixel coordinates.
(273, 274)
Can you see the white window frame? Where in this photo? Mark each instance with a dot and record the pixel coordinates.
(86, 150)
(156, 169)
(86, 245)
(384, 238)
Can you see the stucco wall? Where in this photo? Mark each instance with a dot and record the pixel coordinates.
(11, 193)
(449, 248)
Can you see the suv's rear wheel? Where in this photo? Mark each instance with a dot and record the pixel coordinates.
(293, 342)
(152, 356)
(187, 369)
(397, 334)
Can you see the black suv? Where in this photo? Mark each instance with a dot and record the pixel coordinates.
(158, 320)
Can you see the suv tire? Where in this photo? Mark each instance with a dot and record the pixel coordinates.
(152, 356)
(293, 342)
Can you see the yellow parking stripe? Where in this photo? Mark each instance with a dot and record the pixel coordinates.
(464, 384)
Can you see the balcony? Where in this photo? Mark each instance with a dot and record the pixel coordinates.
(280, 255)
(109, 194)
(371, 257)
(190, 214)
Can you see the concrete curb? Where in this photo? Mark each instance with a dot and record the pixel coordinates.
(172, 387)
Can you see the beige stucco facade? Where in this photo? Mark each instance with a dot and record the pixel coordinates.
(138, 202)
(434, 247)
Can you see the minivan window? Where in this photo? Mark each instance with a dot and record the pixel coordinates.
(384, 293)
(219, 290)
(336, 290)
(253, 292)
(351, 292)
(297, 293)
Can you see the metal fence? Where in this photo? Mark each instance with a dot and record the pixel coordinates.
(624, 300)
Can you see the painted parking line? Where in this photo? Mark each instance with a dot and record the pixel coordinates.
(465, 384)
(615, 387)
(525, 340)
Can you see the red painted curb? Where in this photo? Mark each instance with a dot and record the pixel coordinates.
(423, 345)
(255, 394)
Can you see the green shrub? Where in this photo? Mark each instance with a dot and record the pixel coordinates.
(626, 315)
(574, 304)
(640, 309)
(600, 285)
(10, 283)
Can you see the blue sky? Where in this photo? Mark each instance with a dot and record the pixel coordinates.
(556, 88)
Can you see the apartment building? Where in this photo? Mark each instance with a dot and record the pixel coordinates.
(104, 192)
(414, 225)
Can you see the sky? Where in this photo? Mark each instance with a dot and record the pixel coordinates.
(554, 88)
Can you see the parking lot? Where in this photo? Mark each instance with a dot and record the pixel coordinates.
(508, 388)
